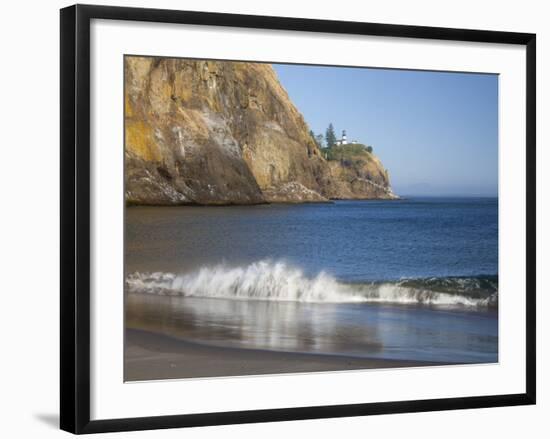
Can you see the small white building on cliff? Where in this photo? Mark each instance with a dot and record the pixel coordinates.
(344, 139)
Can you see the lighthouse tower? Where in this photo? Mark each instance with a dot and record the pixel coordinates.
(344, 138)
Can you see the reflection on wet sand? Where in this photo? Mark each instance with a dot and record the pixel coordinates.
(279, 326)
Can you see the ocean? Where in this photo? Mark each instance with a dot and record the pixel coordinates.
(413, 279)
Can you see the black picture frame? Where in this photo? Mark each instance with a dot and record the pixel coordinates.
(75, 217)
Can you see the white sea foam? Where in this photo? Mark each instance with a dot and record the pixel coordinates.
(279, 281)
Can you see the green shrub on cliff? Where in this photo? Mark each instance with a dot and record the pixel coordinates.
(346, 152)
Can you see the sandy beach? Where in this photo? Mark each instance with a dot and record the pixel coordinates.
(150, 356)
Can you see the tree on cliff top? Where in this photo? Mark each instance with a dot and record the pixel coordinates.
(312, 135)
(320, 140)
(317, 138)
(330, 136)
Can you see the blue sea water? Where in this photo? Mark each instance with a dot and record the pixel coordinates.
(354, 240)
(411, 279)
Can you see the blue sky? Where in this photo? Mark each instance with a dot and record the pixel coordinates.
(436, 132)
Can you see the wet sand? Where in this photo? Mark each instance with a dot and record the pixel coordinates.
(152, 356)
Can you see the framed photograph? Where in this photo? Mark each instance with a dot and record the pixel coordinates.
(268, 218)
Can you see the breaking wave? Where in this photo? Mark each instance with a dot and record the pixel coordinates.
(279, 281)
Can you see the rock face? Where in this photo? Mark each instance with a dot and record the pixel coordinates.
(360, 175)
(207, 132)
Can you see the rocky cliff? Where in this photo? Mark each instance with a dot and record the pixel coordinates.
(207, 132)
(358, 174)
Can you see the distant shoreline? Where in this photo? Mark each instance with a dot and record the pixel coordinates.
(154, 356)
(265, 203)
(328, 201)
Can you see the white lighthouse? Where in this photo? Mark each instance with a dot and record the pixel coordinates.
(343, 140)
